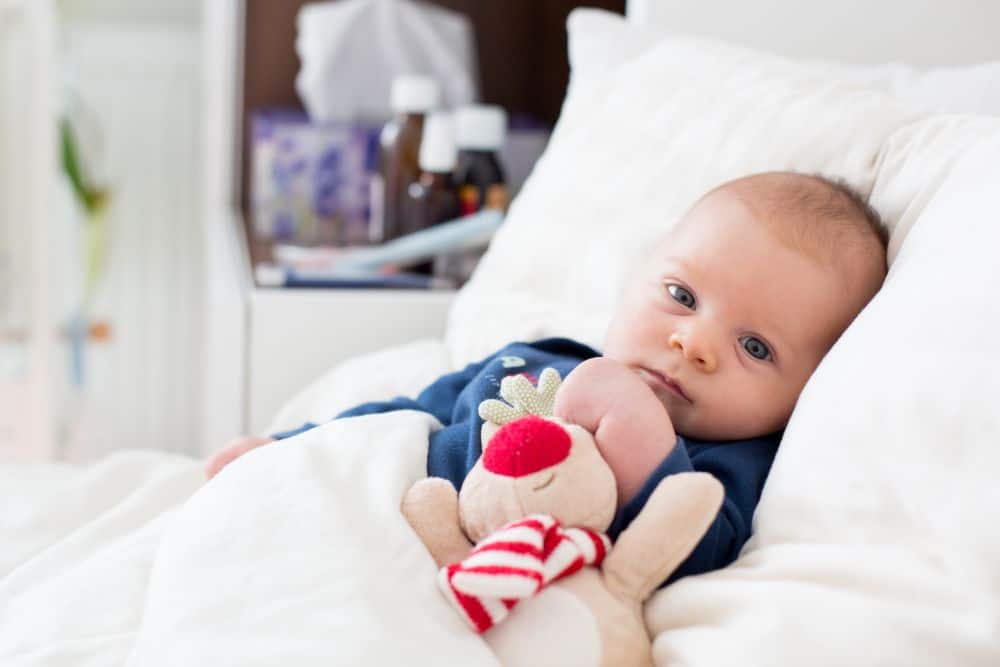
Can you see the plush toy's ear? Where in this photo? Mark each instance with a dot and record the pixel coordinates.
(522, 399)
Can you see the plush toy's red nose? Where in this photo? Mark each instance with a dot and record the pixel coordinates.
(526, 446)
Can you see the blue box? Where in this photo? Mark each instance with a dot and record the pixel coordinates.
(310, 183)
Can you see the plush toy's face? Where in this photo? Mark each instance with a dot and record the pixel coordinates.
(537, 465)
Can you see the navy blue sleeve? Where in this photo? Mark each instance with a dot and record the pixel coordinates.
(454, 449)
(677, 461)
(741, 467)
(437, 399)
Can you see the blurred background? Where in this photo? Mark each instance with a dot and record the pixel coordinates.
(174, 171)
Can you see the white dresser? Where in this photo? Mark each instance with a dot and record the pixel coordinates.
(265, 344)
(295, 335)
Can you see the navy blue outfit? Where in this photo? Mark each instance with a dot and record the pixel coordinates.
(741, 465)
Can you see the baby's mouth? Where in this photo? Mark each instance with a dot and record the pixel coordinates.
(668, 383)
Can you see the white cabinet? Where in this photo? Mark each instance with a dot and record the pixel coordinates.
(135, 70)
(263, 345)
(295, 335)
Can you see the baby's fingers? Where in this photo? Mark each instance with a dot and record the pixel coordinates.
(232, 452)
(220, 461)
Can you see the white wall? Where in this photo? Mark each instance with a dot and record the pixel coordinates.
(136, 66)
(226, 270)
(160, 12)
(919, 32)
(27, 177)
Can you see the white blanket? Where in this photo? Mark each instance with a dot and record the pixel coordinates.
(874, 539)
(296, 554)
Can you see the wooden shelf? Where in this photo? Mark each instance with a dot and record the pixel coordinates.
(520, 47)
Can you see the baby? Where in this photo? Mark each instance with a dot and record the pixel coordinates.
(704, 360)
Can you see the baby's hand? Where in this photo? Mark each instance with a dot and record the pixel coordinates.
(233, 450)
(632, 428)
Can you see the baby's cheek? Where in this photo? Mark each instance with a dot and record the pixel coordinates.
(732, 412)
(760, 410)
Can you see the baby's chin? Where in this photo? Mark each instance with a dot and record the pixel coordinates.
(699, 425)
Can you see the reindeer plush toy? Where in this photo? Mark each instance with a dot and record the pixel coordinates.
(542, 583)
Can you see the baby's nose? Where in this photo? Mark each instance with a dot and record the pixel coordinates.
(526, 446)
(694, 350)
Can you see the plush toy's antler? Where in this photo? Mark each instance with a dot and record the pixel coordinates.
(523, 398)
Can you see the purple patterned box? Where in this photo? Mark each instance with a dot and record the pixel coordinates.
(310, 183)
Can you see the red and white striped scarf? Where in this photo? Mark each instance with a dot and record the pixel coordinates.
(515, 563)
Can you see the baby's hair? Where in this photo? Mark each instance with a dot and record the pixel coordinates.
(836, 208)
(825, 218)
(812, 213)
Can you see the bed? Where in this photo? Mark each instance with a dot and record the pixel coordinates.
(875, 540)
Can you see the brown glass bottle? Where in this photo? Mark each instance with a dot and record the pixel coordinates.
(398, 163)
(432, 199)
(399, 149)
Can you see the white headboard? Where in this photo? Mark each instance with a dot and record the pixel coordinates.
(919, 32)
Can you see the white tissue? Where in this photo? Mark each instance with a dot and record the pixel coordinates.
(351, 50)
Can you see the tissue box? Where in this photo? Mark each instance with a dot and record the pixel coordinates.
(311, 182)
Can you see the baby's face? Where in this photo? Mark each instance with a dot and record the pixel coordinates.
(725, 323)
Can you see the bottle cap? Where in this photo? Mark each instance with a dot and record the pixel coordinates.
(480, 127)
(437, 145)
(412, 93)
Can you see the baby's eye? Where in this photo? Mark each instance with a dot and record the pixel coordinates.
(756, 348)
(681, 296)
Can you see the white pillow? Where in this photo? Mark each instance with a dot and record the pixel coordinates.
(637, 142)
(967, 89)
(876, 541)
(952, 89)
